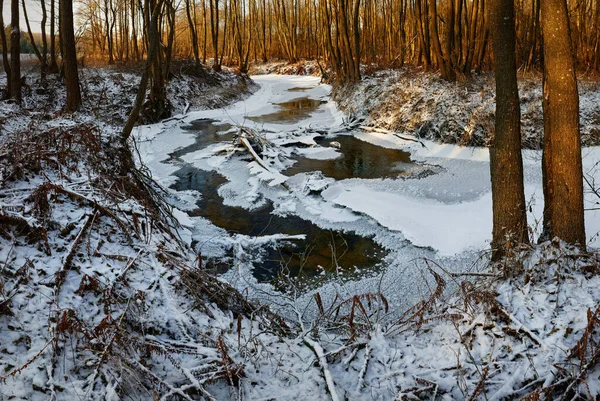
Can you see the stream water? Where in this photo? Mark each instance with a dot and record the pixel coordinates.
(390, 211)
(291, 111)
(322, 251)
(358, 159)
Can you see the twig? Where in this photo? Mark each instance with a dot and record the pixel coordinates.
(318, 350)
(363, 370)
(385, 131)
(521, 327)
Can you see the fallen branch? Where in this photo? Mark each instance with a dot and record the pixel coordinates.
(521, 327)
(47, 187)
(388, 132)
(318, 350)
(75, 245)
(246, 143)
(363, 370)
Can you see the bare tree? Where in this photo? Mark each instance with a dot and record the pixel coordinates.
(53, 67)
(214, 32)
(69, 56)
(190, 12)
(561, 163)
(5, 61)
(41, 55)
(506, 163)
(15, 52)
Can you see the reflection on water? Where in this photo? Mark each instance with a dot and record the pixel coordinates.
(207, 132)
(321, 249)
(359, 160)
(290, 112)
(298, 89)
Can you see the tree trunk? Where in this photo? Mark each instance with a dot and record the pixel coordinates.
(53, 67)
(70, 56)
(506, 163)
(192, 27)
(214, 32)
(15, 52)
(435, 38)
(561, 162)
(5, 61)
(153, 45)
(44, 59)
(422, 27)
(34, 46)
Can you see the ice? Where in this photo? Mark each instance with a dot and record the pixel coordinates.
(446, 215)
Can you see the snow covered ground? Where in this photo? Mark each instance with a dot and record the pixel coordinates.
(358, 339)
(462, 112)
(101, 301)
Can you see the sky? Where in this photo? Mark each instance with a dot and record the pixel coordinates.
(33, 12)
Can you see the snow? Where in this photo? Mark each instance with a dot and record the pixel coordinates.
(445, 216)
(273, 90)
(462, 112)
(518, 330)
(447, 228)
(319, 153)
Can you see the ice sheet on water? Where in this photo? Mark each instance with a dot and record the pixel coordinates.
(446, 216)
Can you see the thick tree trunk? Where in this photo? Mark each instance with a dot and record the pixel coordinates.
(5, 61)
(15, 52)
(561, 163)
(506, 163)
(70, 56)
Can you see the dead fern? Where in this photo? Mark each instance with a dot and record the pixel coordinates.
(414, 317)
(10, 223)
(207, 289)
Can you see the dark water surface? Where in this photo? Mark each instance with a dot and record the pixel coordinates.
(359, 159)
(290, 112)
(322, 248)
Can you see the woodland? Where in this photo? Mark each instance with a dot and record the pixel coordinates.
(300, 199)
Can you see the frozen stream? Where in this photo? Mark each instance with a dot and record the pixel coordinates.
(383, 205)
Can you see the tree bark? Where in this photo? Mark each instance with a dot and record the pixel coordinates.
(506, 163)
(53, 67)
(214, 32)
(15, 52)
(153, 44)
(192, 27)
(70, 56)
(561, 161)
(36, 50)
(442, 63)
(5, 61)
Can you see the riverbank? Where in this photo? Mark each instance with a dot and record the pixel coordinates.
(108, 93)
(100, 297)
(409, 100)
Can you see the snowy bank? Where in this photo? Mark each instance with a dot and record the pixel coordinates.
(422, 104)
